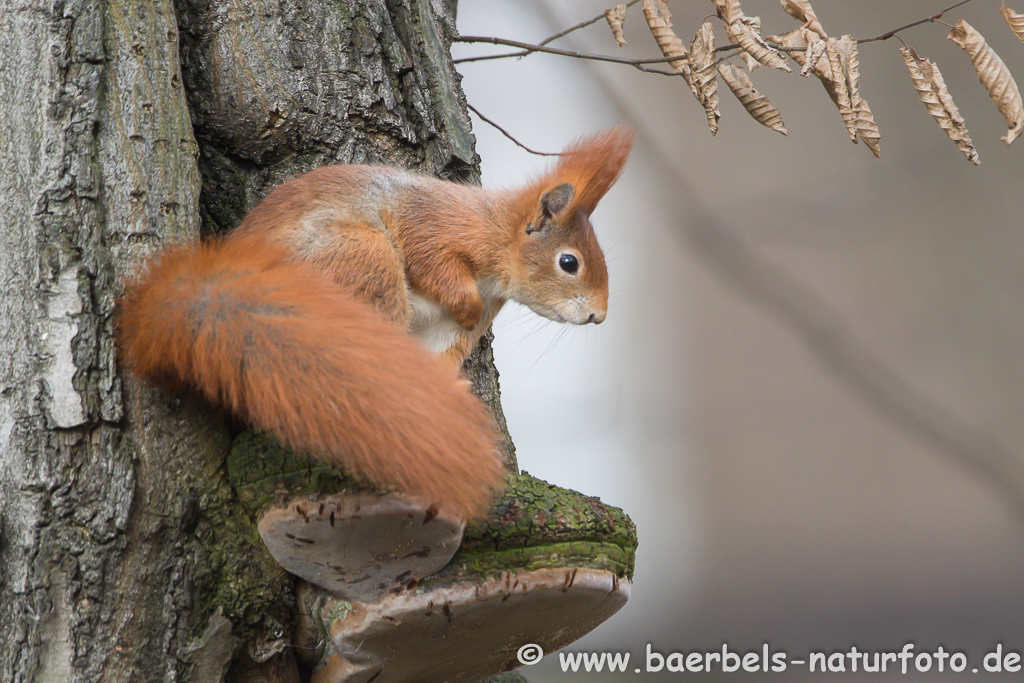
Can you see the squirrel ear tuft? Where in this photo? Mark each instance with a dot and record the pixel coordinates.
(593, 164)
(556, 200)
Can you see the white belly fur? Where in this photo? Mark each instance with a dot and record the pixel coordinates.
(431, 324)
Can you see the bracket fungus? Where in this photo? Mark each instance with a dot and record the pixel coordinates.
(385, 598)
(462, 630)
(361, 545)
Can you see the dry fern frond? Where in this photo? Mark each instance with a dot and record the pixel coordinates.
(932, 91)
(756, 104)
(994, 75)
(802, 10)
(659, 19)
(864, 121)
(746, 31)
(1014, 21)
(728, 10)
(616, 17)
(702, 78)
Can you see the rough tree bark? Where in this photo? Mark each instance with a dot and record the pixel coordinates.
(113, 495)
(124, 554)
(98, 165)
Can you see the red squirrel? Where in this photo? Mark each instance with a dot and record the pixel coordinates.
(318, 319)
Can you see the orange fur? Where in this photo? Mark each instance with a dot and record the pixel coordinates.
(286, 350)
(297, 321)
(592, 164)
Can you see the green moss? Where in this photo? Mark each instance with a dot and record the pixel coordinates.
(533, 509)
(507, 677)
(243, 578)
(262, 470)
(249, 582)
(535, 525)
(339, 612)
(532, 525)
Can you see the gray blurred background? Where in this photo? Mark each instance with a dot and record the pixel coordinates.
(807, 393)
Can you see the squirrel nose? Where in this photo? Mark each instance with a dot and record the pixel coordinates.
(596, 318)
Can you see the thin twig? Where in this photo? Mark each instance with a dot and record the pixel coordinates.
(484, 58)
(530, 48)
(663, 72)
(509, 135)
(551, 38)
(580, 25)
(935, 17)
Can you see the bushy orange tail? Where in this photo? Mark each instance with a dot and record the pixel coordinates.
(286, 350)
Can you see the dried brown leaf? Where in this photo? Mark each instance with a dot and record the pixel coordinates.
(838, 69)
(816, 48)
(867, 129)
(616, 17)
(837, 87)
(865, 125)
(802, 10)
(746, 32)
(932, 91)
(851, 67)
(748, 59)
(729, 10)
(756, 104)
(795, 38)
(994, 75)
(702, 78)
(1014, 21)
(659, 19)
(810, 58)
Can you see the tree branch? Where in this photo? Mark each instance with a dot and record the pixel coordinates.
(509, 135)
(530, 48)
(580, 25)
(549, 39)
(935, 17)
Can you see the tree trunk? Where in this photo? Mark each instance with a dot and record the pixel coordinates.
(123, 555)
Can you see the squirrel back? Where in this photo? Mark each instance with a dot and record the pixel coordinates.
(285, 349)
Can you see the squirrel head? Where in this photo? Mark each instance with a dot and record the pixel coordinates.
(562, 273)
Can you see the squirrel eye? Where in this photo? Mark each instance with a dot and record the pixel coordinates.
(568, 263)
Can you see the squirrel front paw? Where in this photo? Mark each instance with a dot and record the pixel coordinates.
(467, 309)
